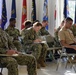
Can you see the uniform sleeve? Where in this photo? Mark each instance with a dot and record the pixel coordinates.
(3, 51)
(10, 43)
(61, 36)
(26, 39)
(43, 31)
(23, 33)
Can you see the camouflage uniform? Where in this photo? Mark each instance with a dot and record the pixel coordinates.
(23, 32)
(73, 28)
(56, 33)
(14, 33)
(12, 62)
(43, 31)
(39, 50)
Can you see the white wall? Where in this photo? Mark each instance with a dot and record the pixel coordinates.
(39, 10)
(0, 8)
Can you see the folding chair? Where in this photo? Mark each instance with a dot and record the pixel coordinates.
(68, 56)
(52, 48)
(1, 66)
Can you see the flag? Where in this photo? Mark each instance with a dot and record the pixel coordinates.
(75, 13)
(66, 8)
(33, 14)
(45, 11)
(4, 14)
(24, 13)
(55, 13)
(13, 9)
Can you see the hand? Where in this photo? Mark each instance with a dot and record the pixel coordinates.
(37, 41)
(74, 47)
(11, 52)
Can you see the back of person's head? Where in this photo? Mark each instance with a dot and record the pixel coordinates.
(28, 24)
(36, 21)
(44, 21)
(12, 22)
(68, 19)
(37, 24)
(12, 19)
(62, 23)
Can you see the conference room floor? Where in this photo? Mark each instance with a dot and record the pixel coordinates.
(50, 69)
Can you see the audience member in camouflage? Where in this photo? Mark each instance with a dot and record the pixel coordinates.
(14, 33)
(57, 30)
(43, 30)
(7, 47)
(27, 24)
(33, 41)
(73, 28)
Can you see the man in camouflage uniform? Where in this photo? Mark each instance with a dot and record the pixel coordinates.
(14, 34)
(73, 28)
(11, 62)
(27, 24)
(43, 30)
(57, 30)
(34, 45)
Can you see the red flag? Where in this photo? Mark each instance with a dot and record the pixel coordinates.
(24, 13)
(55, 13)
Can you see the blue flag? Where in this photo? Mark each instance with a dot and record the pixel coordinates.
(13, 10)
(75, 13)
(4, 14)
(33, 14)
(45, 11)
(66, 9)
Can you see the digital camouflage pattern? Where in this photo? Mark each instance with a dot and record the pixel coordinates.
(15, 34)
(23, 32)
(39, 50)
(12, 62)
(43, 31)
(73, 28)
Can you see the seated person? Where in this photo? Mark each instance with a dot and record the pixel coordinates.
(57, 30)
(66, 36)
(7, 48)
(14, 34)
(73, 28)
(43, 30)
(32, 40)
(27, 24)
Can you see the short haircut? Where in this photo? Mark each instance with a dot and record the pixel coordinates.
(36, 21)
(68, 19)
(44, 21)
(28, 23)
(12, 19)
(37, 24)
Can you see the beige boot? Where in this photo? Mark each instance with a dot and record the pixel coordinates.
(41, 62)
(38, 65)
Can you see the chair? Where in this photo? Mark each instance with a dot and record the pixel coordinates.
(53, 46)
(1, 70)
(69, 57)
(2, 65)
